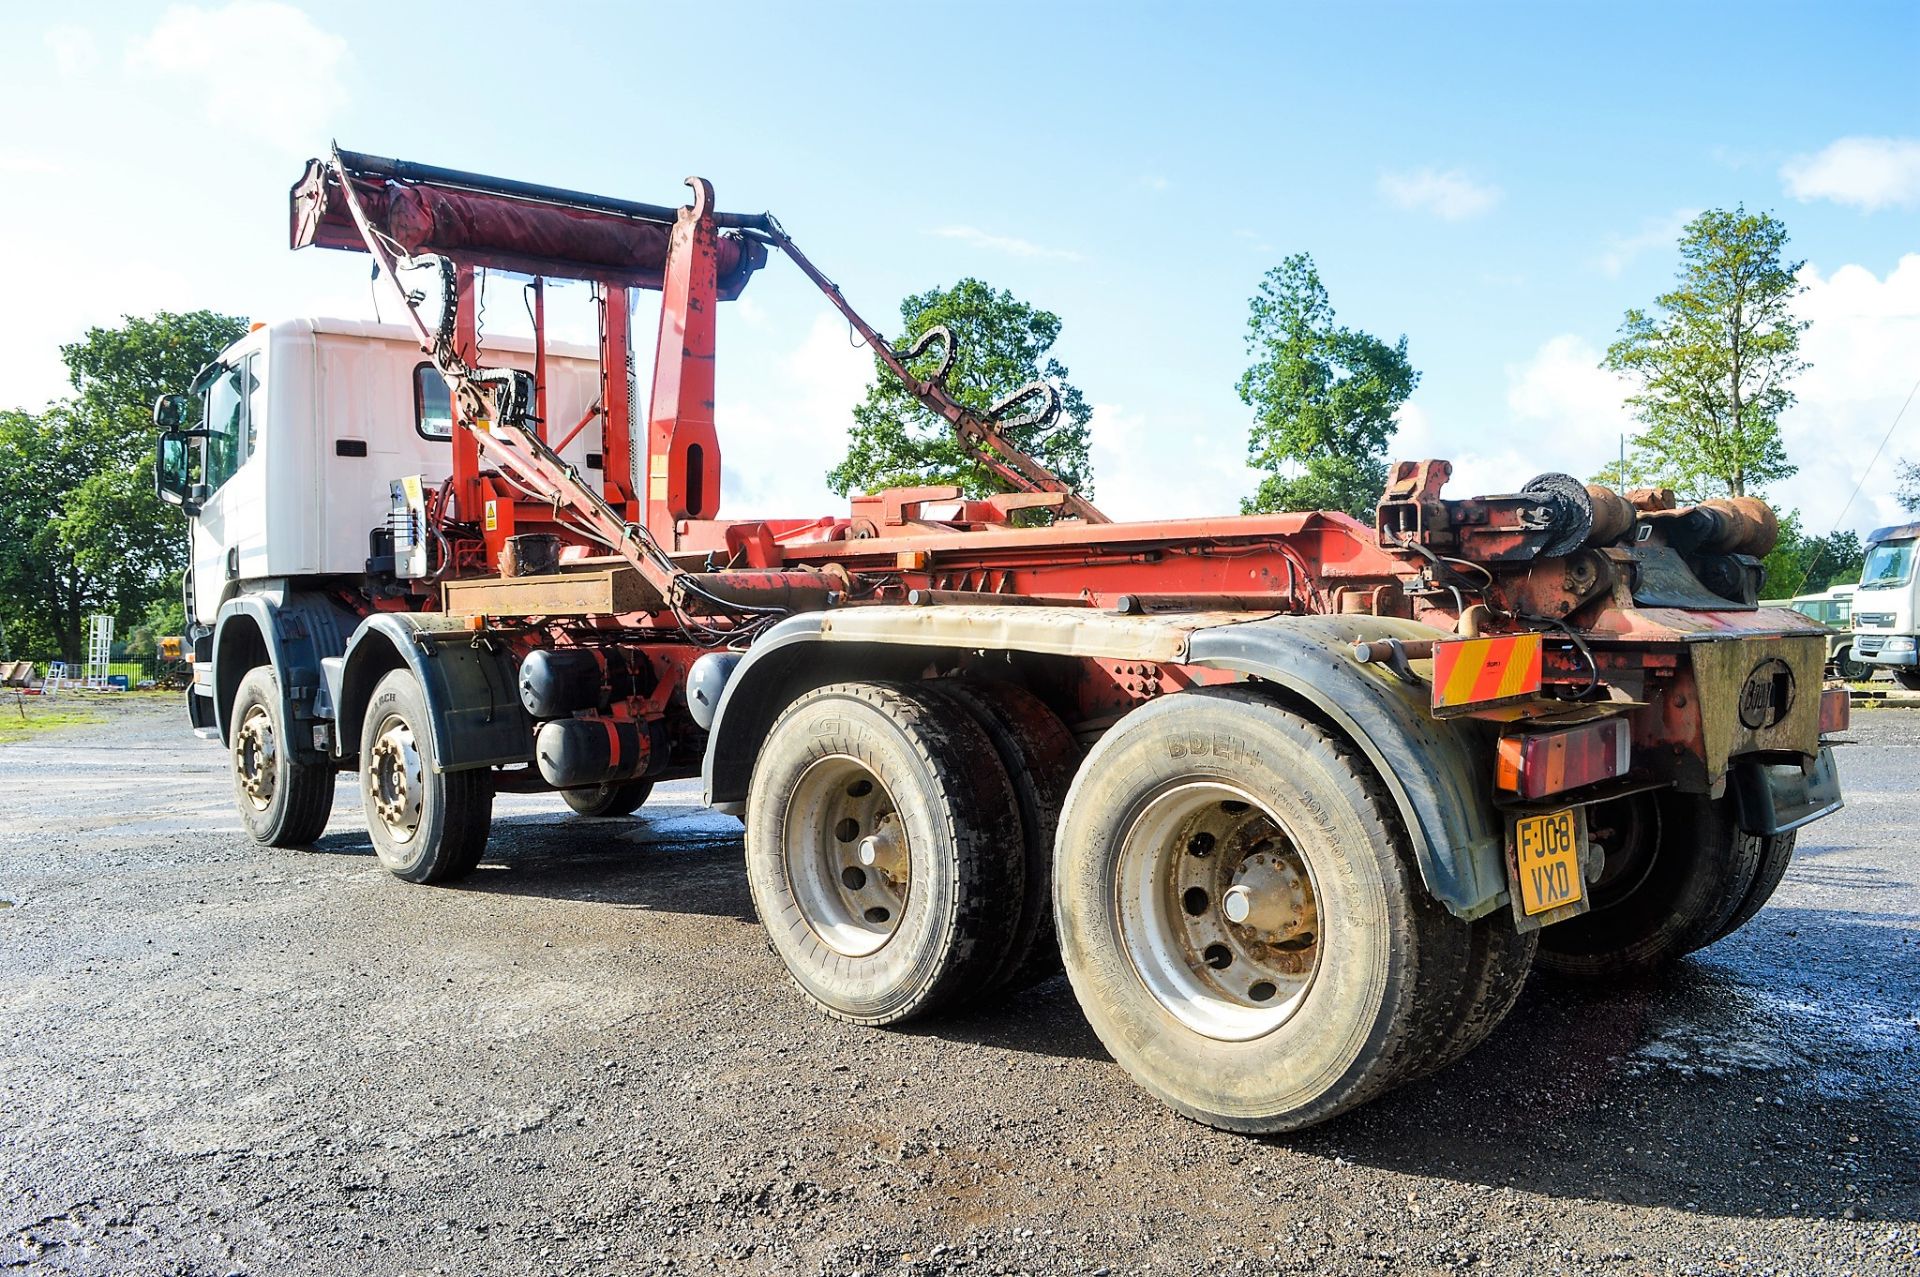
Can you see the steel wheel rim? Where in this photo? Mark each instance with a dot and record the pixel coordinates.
(1628, 831)
(846, 856)
(1218, 910)
(396, 779)
(256, 757)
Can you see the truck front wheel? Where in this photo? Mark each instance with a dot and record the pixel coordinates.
(1241, 918)
(283, 801)
(427, 825)
(884, 850)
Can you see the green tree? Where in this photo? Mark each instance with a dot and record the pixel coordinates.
(1002, 343)
(1908, 493)
(1800, 564)
(1323, 396)
(77, 510)
(1714, 361)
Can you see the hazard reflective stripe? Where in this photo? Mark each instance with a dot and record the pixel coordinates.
(1476, 671)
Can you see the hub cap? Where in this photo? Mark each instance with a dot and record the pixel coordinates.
(846, 855)
(255, 757)
(395, 780)
(1217, 910)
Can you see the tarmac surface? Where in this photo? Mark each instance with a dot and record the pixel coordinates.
(224, 1059)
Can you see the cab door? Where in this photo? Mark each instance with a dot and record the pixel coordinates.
(229, 533)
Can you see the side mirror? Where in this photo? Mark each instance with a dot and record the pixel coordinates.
(172, 469)
(171, 412)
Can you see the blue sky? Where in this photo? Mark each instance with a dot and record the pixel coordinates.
(1496, 182)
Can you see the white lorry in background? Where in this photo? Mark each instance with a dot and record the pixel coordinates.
(1884, 607)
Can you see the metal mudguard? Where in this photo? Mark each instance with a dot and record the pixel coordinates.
(1438, 774)
(295, 631)
(474, 710)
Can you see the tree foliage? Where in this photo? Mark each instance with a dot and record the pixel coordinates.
(1908, 491)
(1801, 564)
(84, 531)
(1323, 396)
(1715, 359)
(1002, 344)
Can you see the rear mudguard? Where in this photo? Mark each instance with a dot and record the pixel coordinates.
(1438, 773)
(472, 704)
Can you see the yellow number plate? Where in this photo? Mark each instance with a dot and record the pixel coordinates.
(1547, 857)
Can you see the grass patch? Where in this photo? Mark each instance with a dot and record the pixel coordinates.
(39, 717)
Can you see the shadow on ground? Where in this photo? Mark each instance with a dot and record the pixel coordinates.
(1764, 1077)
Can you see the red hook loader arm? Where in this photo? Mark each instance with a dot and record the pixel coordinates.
(1296, 801)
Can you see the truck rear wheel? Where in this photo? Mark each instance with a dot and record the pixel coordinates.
(1677, 868)
(1241, 919)
(884, 850)
(283, 801)
(1501, 959)
(1776, 853)
(427, 825)
(1040, 756)
(615, 798)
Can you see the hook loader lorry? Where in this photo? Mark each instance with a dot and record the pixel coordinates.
(1297, 801)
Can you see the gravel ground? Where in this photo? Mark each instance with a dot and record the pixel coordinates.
(223, 1059)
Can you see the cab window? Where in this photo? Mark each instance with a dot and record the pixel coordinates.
(432, 405)
(226, 425)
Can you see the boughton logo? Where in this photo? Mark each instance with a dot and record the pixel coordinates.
(1768, 694)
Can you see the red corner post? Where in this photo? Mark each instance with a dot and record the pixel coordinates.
(616, 423)
(683, 450)
(465, 479)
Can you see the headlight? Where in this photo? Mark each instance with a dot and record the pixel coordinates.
(1898, 643)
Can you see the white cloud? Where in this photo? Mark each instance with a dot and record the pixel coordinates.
(1860, 350)
(1567, 413)
(1655, 234)
(778, 443)
(1450, 195)
(73, 48)
(1869, 173)
(256, 66)
(1154, 182)
(1166, 470)
(18, 163)
(1007, 244)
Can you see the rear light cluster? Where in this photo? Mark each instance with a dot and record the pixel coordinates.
(1836, 710)
(1535, 762)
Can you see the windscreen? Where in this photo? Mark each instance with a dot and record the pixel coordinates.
(1889, 563)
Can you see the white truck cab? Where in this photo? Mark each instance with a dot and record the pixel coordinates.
(1887, 604)
(286, 471)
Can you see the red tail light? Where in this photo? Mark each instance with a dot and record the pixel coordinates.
(1535, 762)
(1836, 710)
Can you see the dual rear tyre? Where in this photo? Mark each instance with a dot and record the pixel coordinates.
(1679, 874)
(883, 847)
(1235, 900)
(1244, 926)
